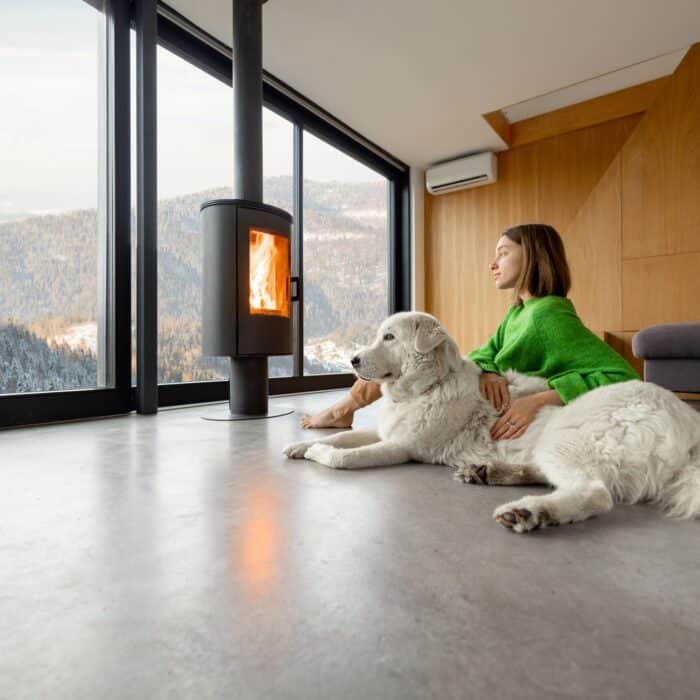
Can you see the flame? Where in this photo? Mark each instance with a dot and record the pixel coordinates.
(269, 274)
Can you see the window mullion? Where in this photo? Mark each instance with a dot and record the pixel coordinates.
(147, 209)
(121, 195)
(298, 249)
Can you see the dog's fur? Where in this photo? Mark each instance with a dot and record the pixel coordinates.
(626, 442)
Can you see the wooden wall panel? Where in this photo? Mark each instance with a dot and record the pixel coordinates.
(594, 250)
(465, 302)
(632, 100)
(663, 289)
(498, 122)
(546, 182)
(625, 195)
(517, 189)
(661, 170)
(571, 166)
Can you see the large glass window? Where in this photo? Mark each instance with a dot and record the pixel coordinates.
(52, 207)
(195, 164)
(64, 207)
(195, 155)
(345, 256)
(278, 190)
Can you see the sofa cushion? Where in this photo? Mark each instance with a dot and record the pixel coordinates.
(668, 340)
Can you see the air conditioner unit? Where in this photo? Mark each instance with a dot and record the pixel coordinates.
(472, 171)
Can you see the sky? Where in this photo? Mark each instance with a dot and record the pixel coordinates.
(49, 116)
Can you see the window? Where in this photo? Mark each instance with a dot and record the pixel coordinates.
(278, 190)
(53, 231)
(67, 252)
(195, 156)
(195, 164)
(345, 256)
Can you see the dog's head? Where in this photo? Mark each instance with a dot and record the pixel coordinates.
(411, 348)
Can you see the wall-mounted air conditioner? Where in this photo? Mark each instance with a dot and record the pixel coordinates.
(472, 171)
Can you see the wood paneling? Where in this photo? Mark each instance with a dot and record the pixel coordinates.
(594, 250)
(663, 289)
(571, 167)
(497, 121)
(661, 170)
(465, 302)
(547, 182)
(624, 194)
(633, 100)
(517, 190)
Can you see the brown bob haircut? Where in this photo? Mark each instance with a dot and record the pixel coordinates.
(545, 270)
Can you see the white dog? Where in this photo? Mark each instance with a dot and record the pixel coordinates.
(626, 442)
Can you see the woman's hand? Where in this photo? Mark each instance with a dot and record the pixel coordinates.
(494, 388)
(514, 422)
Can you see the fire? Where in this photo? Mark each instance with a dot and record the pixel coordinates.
(269, 274)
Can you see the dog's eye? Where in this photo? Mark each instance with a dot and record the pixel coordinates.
(388, 336)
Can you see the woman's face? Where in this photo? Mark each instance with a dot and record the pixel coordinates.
(507, 264)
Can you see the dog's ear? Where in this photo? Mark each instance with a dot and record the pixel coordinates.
(429, 334)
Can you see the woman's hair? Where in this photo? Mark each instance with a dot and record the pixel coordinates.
(545, 270)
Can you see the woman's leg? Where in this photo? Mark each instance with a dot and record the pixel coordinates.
(341, 413)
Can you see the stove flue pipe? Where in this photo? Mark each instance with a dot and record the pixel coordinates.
(248, 377)
(247, 100)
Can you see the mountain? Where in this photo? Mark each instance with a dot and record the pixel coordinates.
(48, 279)
(28, 363)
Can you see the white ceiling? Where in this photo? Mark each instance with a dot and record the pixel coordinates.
(415, 77)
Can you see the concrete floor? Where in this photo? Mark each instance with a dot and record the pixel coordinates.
(168, 557)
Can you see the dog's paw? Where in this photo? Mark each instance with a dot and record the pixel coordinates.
(327, 455)
(523, 517)
(472, 474)
(297, 450)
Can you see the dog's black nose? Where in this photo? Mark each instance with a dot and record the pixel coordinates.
(355, 361)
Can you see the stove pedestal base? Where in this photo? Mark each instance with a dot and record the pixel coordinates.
(248, 392)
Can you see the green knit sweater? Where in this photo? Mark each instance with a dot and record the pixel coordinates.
(544, 337)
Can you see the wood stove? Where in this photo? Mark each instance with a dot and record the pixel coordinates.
(246, 300)
(246, 245)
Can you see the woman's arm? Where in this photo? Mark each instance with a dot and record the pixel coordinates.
(575, 359)
(549, 398)
(485, 355)
(514, 422)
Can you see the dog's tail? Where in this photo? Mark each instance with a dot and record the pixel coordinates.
(680, 497)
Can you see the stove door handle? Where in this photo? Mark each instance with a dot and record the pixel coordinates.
(296, 281)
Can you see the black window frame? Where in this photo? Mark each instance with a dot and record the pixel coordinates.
(157, 24)
(78, 404)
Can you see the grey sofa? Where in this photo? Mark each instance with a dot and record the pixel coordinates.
(671, 354)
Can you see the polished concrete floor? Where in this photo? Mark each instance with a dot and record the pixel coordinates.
(171, 557)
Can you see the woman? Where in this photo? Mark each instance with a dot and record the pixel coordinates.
(541, 335)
